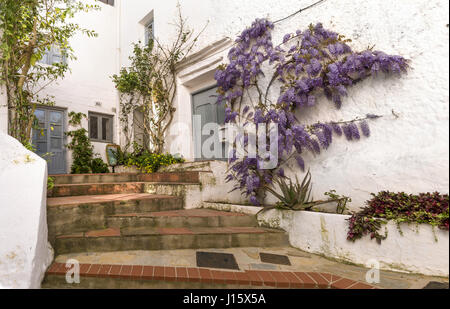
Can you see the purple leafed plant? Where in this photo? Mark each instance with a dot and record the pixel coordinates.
(306, 66)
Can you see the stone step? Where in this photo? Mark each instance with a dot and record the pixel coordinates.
(66, 215)
(198, 166)
(186, 177)
(167, 188)
(144, 238)
(182, 218)
(95, 189)
(119, 276)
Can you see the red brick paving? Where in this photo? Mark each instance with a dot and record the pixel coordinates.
(281, 280)
(104, 271)
(275, 279)
(308, 282)
(158, 273)
(242, 278)
(343, 283)
(255, 279)
(194, 274)
(126, 271)
(320, 280)
(84, 268)
(93, 270)
(136, 272)
(170, 274)
(205, 275)
(182, 274)
(147, 273)
(114, 272)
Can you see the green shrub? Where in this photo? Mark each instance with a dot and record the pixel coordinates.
(151, 162)
(80, 144)
(99, 167)
(50, 183)
(83, 161)
(146, 161)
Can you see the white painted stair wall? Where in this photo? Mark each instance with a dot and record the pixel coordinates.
(25, 252)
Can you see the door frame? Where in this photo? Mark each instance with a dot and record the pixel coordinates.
(64, 128)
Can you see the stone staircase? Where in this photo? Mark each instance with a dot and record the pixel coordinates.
(122, 212)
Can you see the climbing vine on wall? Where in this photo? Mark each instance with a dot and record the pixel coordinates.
(83, 160)
(308, 64)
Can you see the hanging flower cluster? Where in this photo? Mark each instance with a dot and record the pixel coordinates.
(308, 64)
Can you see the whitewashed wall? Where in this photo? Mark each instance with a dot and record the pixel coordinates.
(88, 87)
(25, 252)
(416, 249)
(409, 153)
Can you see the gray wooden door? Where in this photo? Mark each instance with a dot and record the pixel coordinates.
(49, 139)
(204, 105)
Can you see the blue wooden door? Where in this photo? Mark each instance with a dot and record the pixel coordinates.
(48, 139)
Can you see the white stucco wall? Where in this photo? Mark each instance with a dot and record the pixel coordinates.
(418, 249)
(88, 87)
(408, 153)
(25, 252)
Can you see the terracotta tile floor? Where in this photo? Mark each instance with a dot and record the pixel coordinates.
(306, 270)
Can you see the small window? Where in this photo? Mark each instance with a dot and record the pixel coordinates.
(101, 128)
(53, 55)
(149, 32)
(110, 2)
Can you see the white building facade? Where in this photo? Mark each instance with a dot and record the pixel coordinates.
(408, 149)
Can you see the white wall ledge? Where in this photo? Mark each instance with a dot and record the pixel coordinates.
(25, 252)
(417, 249)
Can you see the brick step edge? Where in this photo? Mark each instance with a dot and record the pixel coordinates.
(257, 278)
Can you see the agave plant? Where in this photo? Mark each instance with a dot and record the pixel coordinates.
(294, 196)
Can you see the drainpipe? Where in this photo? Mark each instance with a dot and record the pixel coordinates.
(118, 64)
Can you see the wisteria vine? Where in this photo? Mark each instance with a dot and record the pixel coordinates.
(305, 66)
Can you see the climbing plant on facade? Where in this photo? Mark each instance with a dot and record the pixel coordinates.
(307, 64)
(148, 86)
(28, 29)
(83, 157)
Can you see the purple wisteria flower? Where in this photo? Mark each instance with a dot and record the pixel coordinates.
(365, 129)
(312, 63)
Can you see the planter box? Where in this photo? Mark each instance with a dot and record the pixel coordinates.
(418, 249)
